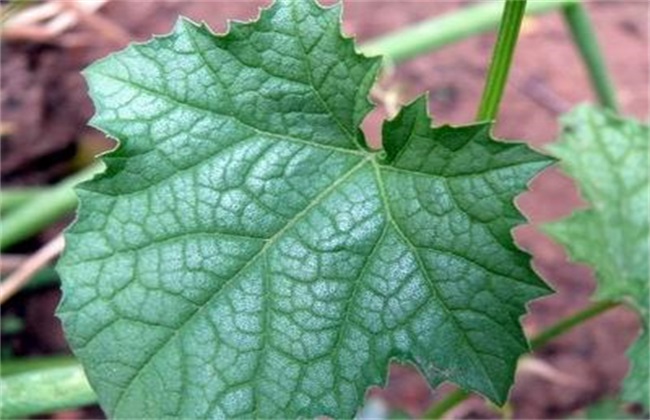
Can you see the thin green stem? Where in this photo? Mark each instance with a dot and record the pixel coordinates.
(561, 327)
(513, 14)
(450, 401)
(570, 322)
(43, 210)
(439, 31)
(585, 39)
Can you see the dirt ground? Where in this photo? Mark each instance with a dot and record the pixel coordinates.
(45, 107)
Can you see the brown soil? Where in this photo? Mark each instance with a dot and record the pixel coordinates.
(45, 102)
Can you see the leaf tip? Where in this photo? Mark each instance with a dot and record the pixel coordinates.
(397, 132)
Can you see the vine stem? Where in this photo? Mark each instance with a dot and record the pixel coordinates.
(585, 39)
(570, 322)
(44, 209)
(513, 14)
(32, 387)
(15, 197)
(561, 327)
(439, 31)
(450, 401)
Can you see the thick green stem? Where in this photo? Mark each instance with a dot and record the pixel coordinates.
(563, 326)
(584, 37)
(513, 14)
(15, 197)
(46, 208)
(440, 31)
(49, 387)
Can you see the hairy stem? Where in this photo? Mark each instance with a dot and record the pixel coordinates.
(513, 14)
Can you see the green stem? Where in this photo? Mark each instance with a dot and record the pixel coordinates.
(584, 37)
(56, 386)
(561, 327)
(46, 277)
(14, 197)
(513, 14)
(450, 401)
(570, 322)
(43, 210)
(30, 364)
(443, 30)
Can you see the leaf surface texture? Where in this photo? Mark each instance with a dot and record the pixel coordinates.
(246, 255)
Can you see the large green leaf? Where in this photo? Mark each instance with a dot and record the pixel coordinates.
(608, 157)
(245, 255)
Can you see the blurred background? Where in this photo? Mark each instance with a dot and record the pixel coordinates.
(45, 107)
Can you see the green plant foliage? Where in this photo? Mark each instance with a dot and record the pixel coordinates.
(246, 255)
(607, 409)
(608, 157)
(635, 387)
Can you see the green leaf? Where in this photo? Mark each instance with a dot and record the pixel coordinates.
(246, 255)
(607, 409)
(635, 385)
(608, 157)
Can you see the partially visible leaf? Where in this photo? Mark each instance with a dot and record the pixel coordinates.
(607, 409)
(245, 255)
(635, 386)
(608, 157)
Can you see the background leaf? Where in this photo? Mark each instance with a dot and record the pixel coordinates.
(245, 255)
(607, 409)
(635, 386)
(608, 157)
